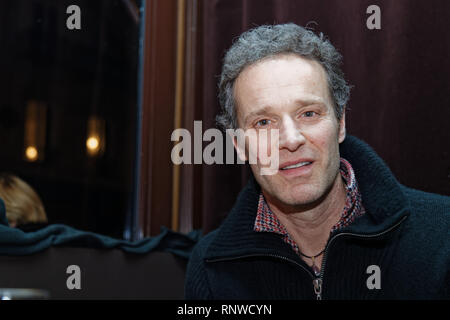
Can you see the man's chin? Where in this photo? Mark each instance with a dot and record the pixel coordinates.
(297, 201)
(300, 202)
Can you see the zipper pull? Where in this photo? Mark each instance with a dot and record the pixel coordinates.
(317, 283)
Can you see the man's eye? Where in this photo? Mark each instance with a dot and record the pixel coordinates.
(262, 123)
(309, 114)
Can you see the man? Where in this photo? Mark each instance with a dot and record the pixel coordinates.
(332, 222)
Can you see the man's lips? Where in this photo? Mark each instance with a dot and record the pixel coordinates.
(289, 165)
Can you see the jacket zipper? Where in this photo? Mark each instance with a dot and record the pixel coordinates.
(317, 281)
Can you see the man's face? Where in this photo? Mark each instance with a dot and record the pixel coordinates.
(291, 94)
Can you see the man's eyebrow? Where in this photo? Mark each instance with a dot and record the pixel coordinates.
(309, 101)
(299, 102)
(264, 110)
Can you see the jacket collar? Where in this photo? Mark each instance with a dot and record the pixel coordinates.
(382, 196)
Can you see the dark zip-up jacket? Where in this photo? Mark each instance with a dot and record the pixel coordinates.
(400, 249)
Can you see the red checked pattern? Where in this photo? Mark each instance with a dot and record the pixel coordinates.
(266, 221)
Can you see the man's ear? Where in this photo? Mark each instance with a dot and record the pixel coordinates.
(240, 150)
(342, 131)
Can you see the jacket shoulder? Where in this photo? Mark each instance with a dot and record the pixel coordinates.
(431, 213)
(432, 203)
(428, 235)
(196, 283)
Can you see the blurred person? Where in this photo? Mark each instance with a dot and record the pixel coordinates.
(332, 222)
(24, 208)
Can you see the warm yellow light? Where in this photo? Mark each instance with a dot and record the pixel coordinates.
(92, 143)
(95, 137)
(31, 153)
(34, 131)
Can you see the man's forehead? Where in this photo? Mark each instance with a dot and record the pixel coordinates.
(285, 79)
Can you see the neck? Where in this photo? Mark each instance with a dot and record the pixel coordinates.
(310, 226)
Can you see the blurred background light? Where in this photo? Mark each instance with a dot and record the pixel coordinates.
(95, 141)
(35, 131)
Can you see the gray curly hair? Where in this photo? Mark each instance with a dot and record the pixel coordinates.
(266, 41)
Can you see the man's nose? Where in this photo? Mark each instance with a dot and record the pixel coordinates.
(291, 137)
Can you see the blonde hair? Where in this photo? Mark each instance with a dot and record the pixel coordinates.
(22, 203)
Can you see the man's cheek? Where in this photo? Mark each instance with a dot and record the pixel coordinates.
(268, 151)
(251, 146)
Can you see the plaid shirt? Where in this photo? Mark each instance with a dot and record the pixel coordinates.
(266, 221)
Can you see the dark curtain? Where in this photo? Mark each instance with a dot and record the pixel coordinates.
(399, 103)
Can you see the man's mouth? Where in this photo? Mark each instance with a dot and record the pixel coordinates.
(297, 165)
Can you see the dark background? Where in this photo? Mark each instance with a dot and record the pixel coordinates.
(77, 73)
